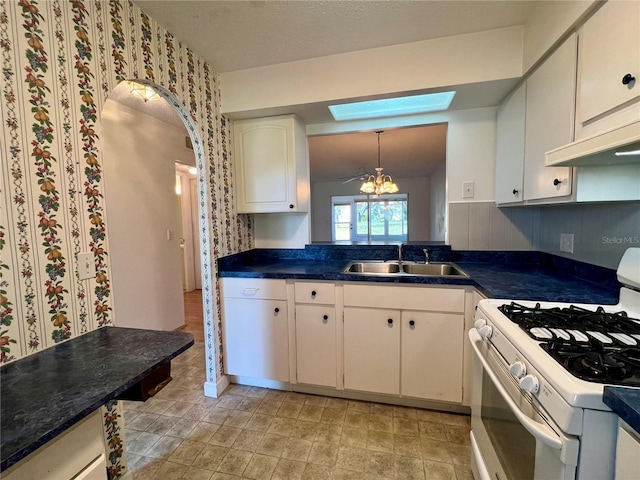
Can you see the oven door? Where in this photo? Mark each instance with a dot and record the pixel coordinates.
(512, 438)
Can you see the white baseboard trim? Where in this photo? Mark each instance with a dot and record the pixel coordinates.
(352, 394)
(214, 390)
(261, 382)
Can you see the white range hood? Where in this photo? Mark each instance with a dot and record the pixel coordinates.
(599, 149)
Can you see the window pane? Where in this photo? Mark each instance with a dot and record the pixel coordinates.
(342, 222)
(362, 209)
(342, 213)
(343, 231)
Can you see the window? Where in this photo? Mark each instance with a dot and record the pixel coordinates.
(342, 221)
(370, 217)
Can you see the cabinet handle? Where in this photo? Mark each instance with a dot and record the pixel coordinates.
(313, 293)
(291, 205)
(412, 323)
(276, 309)
(325, 317)
(515, 192)
(390, 321)
(557, 182)
(627, 79)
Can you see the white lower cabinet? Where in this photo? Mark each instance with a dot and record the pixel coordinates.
(372, 350)
(627, 452)
(78, 453)
(431, 360)
(255, 328)
(379, 339)
(414, 353)
(316, 345)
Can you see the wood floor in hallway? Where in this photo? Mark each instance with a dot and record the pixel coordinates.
(193, 318)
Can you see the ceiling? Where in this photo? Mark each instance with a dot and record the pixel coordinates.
(235, 35)
(404, 153)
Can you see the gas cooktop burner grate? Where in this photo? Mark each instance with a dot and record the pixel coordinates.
(574, 323)
(593, 345)
(614, 365)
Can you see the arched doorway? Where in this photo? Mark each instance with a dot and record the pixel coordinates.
(141, 143)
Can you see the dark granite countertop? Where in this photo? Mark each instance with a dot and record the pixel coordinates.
(44, 394)
(509, 275)
(625, 402)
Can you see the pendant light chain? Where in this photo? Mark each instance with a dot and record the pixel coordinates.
(379, 183)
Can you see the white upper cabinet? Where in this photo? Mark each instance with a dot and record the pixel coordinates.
(549, 122)
(510, 147)
(609, 55)
(272, 165)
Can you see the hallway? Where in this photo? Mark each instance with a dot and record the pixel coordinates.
(193, 318)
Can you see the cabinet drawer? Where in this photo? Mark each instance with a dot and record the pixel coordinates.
(314, 292)
(260, 288)
(405, 297)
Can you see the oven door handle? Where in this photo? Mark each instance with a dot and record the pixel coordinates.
(539, 430)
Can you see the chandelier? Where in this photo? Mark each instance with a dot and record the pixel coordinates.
(145, 92)
(379, 183)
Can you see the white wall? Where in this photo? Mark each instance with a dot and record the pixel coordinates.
(547, 22)
(458, 60)
(438, 204)
(281, 230)
(419, 209)
(139, 175)
(471, 153)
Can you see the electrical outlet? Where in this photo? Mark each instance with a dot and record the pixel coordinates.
(467, 190)
(566, 242)
(86, 266)
(169, 234)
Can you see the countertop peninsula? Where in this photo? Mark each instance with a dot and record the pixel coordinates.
(44, 394)
(625, 402)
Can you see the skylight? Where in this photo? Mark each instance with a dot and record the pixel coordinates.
(391, 107)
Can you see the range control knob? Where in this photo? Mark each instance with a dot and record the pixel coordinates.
(486, 331)
(518, 369)
(529, 383)
(479, 323)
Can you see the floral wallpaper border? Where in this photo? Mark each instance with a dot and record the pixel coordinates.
(60, 60)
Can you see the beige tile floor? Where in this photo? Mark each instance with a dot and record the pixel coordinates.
(257, 433)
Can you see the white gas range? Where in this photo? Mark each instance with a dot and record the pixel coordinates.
(539, 376)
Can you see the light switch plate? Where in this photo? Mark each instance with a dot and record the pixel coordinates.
(467, 189)
(86, 265)
(566, 242)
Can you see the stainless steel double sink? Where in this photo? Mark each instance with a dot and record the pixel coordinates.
(393, 268)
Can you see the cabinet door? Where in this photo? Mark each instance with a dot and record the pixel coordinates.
(609, 49)
(265, 165)
(549, 122)
(510, 147)
(372, 350)
(316, 344)
(627, 453)
(255, 338)
(432, 346)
